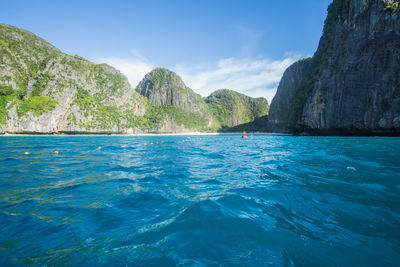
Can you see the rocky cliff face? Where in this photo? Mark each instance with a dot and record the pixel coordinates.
(45, 91)
(182, 108)
(164, 87)
(280, 117)
(351, 85)
(231, 108)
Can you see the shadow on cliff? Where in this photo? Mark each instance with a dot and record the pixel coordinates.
(260, 124)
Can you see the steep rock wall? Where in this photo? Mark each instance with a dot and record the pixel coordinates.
(351, 85)
(280, 118)
(359, 89)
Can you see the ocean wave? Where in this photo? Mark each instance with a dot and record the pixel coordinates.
(203, 200)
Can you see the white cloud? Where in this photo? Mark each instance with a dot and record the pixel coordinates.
(255, 78)
(268, 93)
(134, 69)
(252, 77)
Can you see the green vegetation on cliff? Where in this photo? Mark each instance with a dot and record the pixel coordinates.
(350, 85)
(193, 121)
(22, 56)
(164, 87)
(36, 78)
(97, 104)
(37, 105)
(392, 5)
(7, 94)
(159, 80)
(90, 105)
(231, 108)
(172, 101)
(337, 10)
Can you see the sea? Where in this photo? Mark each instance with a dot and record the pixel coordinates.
(199, 200)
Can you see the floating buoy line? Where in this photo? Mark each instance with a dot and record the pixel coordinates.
(98, 148)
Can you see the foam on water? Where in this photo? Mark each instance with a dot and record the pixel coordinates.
(199, 200)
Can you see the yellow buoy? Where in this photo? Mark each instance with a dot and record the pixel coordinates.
(26, 153)
(55, 152)
(123, 146)
(99, 147)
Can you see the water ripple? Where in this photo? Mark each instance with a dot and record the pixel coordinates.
(199, 200)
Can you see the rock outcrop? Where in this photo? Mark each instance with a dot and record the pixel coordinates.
(183, 109)
(351, 84)
(164, 87)
(280, 118)
(44, 91)
(231, 108)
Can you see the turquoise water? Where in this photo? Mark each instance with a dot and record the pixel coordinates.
(200, 200)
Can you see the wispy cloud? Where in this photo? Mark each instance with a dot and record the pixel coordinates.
(256, 78)
(249, 38)
(135, 67)
(253, 77)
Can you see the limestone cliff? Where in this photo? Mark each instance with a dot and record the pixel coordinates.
(43, 90)
(182, 108)
(164, 87)
(351, 84)
(280, 117)
(231, 108)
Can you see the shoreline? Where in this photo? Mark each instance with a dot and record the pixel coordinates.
(145, 134)
(299, 134)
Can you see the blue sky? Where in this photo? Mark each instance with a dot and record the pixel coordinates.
(240, 45)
